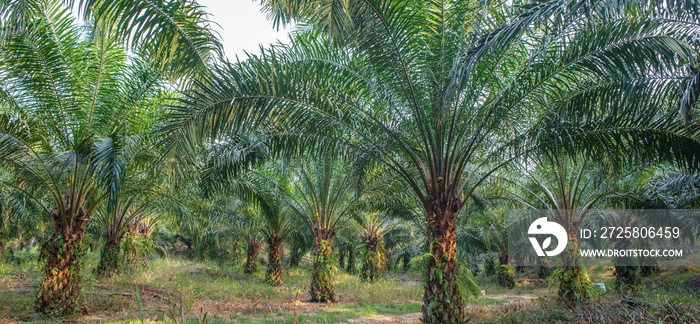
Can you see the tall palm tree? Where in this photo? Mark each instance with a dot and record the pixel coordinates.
(65, 93)
(72, 102)
(446, 92)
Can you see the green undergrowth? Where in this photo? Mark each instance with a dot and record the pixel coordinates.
(220, 291)
(225, 295)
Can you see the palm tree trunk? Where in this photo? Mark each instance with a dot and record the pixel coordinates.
(573, 285)
(442, 300)
(130, 252)
(406, 261)
(236, 255)
(574, 281)
(59, 289)
(109, 260)
(295, 256)
(251, 262)
(321, 289)
(369, 260)
(341, 257)
(627, 278)
(146, 245)
(274, 267)
(351, 260)
(137, 248)
(505, 271)
(388, 257)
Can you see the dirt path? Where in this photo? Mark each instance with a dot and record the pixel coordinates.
(412, 318)
(475, 310)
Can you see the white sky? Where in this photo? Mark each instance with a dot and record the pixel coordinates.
(242, 26)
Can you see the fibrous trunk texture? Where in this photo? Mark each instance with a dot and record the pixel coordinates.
(351, 260)
(295, 255)
(59, 289)
(442, 299)
(274, 267)
(251, 262)
(341, 257)
(236, 253)
(574, 281)
(109, 260)
(321, 289)
(505, 271)
(388, 264)
(573, 285)
(370, 263)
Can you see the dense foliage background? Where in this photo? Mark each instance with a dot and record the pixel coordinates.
(387, 135)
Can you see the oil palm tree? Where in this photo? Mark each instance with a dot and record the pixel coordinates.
(72, 104)
(116, 221)
(489, 235)
(324, 198)
(374, 228)
(566, 189)
(276, 229)
(140, 193)
(266, 188)
(241, 166)
(300, 243)
(446, 92)
(249, 229)
(68, 104)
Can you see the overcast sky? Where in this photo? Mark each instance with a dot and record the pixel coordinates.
(242, 26)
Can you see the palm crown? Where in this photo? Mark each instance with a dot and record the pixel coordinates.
(447, 92)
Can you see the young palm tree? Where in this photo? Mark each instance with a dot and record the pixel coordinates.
(276, 229)
(566, 189)
(116, 221)
(245, 222)
(276, 218)
(446, 92)
(300, 242)
(373, 229)
(323, 198)
(489, 234)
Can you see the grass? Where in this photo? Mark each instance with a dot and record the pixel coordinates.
(220, 291)
(225, 295)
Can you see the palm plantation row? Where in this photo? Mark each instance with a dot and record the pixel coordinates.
(405, 128)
